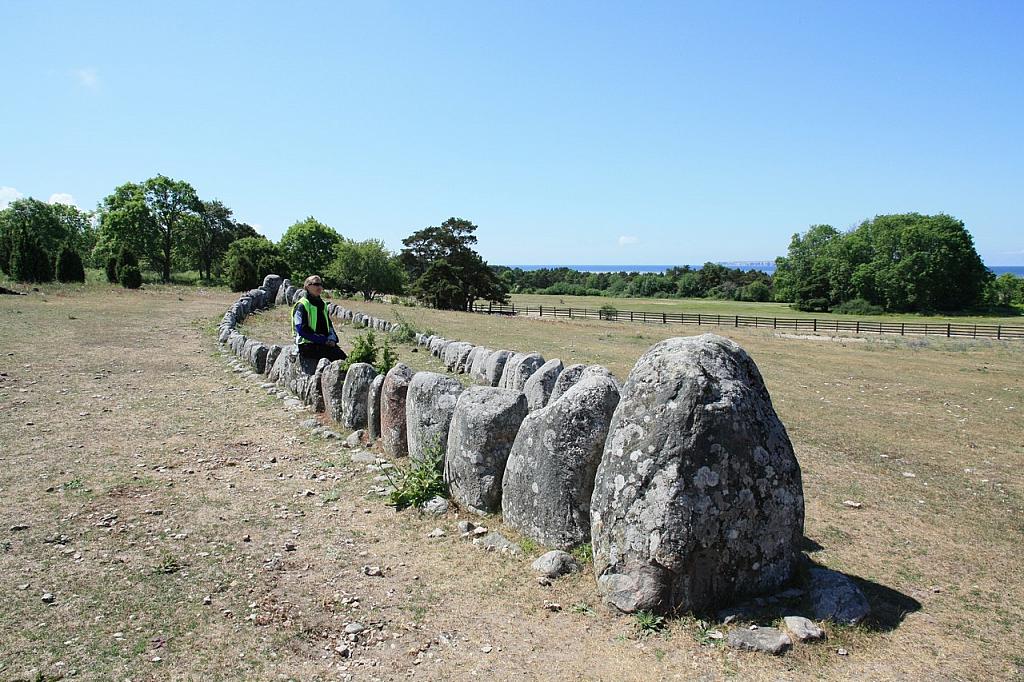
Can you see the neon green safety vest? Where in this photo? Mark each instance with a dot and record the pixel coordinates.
(311, 318)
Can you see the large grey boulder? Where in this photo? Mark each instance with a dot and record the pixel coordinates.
(549, 477)
(373, 407)
(478, 368)
(271, 284)
(520, 368)
(332, 381)
(698, 500)
(393, 431)
(354, 395)
(455, 351)
(494, 366)
(282, 292)
(482, 431)
(836, 597)
(272, 354)
(310, 390)
(566, 380)
(539, 386)
(429, 406)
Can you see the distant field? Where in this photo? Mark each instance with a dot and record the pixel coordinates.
(716, 307)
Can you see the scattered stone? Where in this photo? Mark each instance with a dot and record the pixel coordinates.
(207, 600)
(555, 563)
(698, 500)
(554, 607)
(48, 598)
(466, 526)
(354, 440)
(437, 506)
(289, 547)
(851, 504)
(373, 571)
(803, 629)
(246, 538)
(496, 542)
(768, 640)
(436, 533)
(486, 649)
(836, 597)
(363, 457)
(354, 628)
(19, 527)
(842, 652)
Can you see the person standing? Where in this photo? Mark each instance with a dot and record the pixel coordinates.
(314, 331)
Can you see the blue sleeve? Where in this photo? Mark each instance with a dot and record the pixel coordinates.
(302, 329)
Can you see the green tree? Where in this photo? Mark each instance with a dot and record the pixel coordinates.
(36, 219)
(79, 228)
(803, 274)
(365, 267)
(169, 201)
(126, 221)
(208, 233)
(446, 270)
(30, 261)
(308, 247)
(69, 266)
(242, 274)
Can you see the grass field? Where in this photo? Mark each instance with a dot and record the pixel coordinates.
(149, 476)
(715, 307)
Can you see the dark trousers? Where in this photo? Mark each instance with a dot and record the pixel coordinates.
(316, 351)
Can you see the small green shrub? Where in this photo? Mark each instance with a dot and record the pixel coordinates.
(420, 482)
(30, 262)
(812, 305)
(858, 306)
(125, 257)
(583, 553)
(69, 266)
(242, 273)
(608, 312)
(403, 332)
(365, 349)
(130, 276)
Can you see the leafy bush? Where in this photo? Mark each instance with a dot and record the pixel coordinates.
(30, 262)
(420, 482)
(272, 264)
(130, 276)
(858, 306)
(242, 273)
(812, 305)
(125, 257)
(69, 266)
(111, 269)
(403, 332)
(648, 623)
(365, 349)
(608, 311)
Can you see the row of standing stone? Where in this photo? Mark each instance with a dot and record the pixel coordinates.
(684, 479)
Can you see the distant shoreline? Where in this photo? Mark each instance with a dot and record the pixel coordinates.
(764, 266)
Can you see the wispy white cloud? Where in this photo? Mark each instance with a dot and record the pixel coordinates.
(62, 198)
(627, 239)
(87, 77)
(7, 195)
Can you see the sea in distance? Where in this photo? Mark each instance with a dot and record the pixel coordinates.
(764, 266)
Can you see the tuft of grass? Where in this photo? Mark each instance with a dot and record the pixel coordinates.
(583, 554)
(418, 483)
(648, 623)
(168, 564)
(528, 545)
(582, 607)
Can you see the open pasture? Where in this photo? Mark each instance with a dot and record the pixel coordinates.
(188, 527)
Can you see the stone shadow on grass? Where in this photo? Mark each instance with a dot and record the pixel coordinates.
(888, 607)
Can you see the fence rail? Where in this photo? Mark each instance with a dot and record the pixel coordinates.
(949, 330)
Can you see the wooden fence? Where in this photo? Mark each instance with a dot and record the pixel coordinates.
(805, 324)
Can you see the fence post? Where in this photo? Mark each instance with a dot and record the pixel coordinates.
(490, 308)
(999, 331)
(570, 312)
(698, 319)
(858, 327)
(737, 322)
(630, 315)
(513, 308)
(663, 318)
(815, 324)
(975, 331)
(775, 323)
(540, 312)
(903, 328)
(947, 330)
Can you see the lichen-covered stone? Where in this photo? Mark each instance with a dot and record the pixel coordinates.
(550, 472)
(354, 395)
(373, 407)
(520, 368)
(332, 381)
(393, 430)
(836, 597)
(494, 366)
(698, 500)
(539, 386)
(429, 406)
(482, 431)
(478, 368)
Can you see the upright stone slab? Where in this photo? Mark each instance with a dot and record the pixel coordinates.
(428, 412)
(354, 395)
(282, 292)
(272, 354)
(332, 381)
(310, 390)
(480, 438)
(539, 386)
(462, 365)
(373, 407)
(393, 431)
(523, 370)
(478, 369)
(569, 377)
(494, 366)
(511, 363)
(698, 500)
(550, 472)
(272, 284)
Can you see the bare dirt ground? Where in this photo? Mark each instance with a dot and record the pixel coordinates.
(187, 527)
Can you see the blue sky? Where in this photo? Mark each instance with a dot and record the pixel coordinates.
(592, 132)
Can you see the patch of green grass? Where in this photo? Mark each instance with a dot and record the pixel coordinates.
(168, 564)
(332, 495)
(528, 545)
(583, 554)
(648, 623)
(582, 607)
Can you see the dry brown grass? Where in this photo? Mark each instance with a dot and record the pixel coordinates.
(126, 409)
